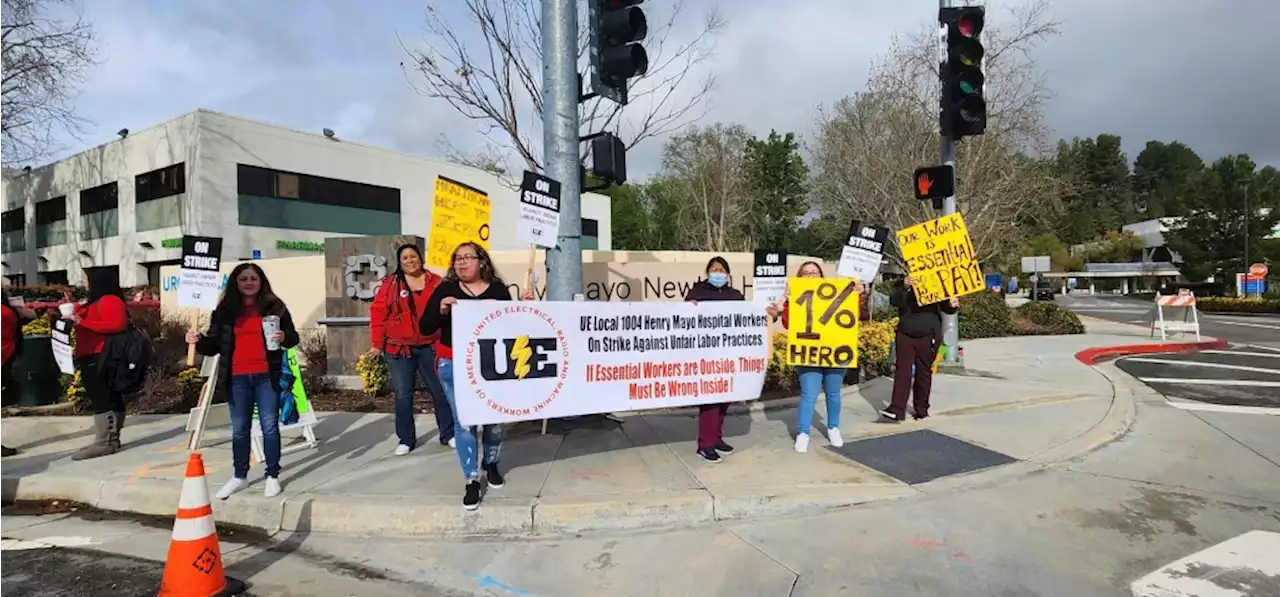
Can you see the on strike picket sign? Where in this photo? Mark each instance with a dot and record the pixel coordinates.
(770, 276)
(539, 222)
(200, 280)
(863, 251)
(539, 360)
(61, 336)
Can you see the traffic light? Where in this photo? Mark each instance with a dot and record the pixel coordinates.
(609, 159)
(616, 27)
(964, 110)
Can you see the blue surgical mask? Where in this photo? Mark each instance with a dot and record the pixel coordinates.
(718, 279)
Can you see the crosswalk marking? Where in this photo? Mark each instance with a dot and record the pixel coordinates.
(1211, 382)
(1204, 364)
(1185, 404)
(1243, 563)
(1268, 355)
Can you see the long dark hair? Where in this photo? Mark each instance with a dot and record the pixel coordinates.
(717, 259)
(103, 282)
(232, 301)
(487, 272)
(397, 278)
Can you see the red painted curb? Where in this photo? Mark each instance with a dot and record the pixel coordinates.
(1091, 356)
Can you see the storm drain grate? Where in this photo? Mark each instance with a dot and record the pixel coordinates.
(920, 456)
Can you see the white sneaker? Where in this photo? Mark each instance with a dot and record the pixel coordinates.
(453, 443)
(802, 442)
(402, 449)
(232, 485)
(272, 487)
(833, 436)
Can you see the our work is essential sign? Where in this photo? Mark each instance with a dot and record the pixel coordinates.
(941, 258)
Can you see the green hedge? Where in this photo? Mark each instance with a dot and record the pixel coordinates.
(984, 315)
(1238, 305)
(1039, 318)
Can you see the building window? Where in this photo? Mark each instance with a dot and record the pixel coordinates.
(590, 234)
(99, 211)
(159, 202)
(158, 184)
(276, 199)
(51, 222)
(58, 277)
(17, 279)
(13, 223)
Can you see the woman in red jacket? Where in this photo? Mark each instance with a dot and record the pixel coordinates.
(394, 334)
(103, 315)
(13, 316)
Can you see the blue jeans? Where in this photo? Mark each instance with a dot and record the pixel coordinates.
(246, 391)
(466, 439)
(813, 380)
(404, 371)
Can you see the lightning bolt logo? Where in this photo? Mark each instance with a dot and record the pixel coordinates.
(521, 353)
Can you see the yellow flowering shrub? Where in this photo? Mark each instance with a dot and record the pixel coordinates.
(373, 374)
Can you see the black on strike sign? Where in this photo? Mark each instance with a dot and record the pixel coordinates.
(200, 277)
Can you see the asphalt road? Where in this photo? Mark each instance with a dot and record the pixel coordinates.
(70, 572)
(1247, 377)
(1237, 329)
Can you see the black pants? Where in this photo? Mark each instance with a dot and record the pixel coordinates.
(11, 392)
(921, 353)
(102, 398)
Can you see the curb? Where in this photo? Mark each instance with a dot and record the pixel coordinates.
(1092, 356)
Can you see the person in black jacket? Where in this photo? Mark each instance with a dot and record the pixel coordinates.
(711, 417)
(917, 341)
(471, 277)
(249, 370)
(15, 316)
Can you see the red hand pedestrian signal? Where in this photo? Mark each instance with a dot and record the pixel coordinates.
(935, 182)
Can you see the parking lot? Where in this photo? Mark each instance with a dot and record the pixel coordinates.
(1245, 378)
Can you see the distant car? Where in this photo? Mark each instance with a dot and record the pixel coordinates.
(1043, 292)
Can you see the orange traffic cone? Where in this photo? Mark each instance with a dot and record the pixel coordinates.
(194, 565)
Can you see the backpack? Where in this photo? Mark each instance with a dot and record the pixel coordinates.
(125, 359)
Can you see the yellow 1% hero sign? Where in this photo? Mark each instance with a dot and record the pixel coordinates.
(940, 256)
(822, 323)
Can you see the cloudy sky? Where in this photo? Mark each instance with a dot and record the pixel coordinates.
(1199, 72)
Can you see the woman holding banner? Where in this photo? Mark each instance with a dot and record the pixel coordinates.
(98, 318)
(828, 380)
(394, 334)
(711, 417)
(251, 328)
(471, 276)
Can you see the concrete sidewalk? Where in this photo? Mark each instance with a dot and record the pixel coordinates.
(1023, 403)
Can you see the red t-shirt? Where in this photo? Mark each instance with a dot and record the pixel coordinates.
(251, 346)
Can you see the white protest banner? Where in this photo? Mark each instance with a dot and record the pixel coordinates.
(539, 222)
(520, 361)
(770, 273)
(863, 251)
(61, 335)
(199, 281)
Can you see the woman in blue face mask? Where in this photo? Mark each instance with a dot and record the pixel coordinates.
(711, 416)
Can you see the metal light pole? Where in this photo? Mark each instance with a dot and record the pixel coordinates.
(1246, 239)
(950, 323)
(560, 147)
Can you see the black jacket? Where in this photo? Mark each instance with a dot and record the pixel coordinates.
(221, 339)
(704, 291)
(433, 321)
(914, 319)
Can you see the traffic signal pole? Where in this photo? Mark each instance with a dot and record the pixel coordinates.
(950, 322)
(560, 143)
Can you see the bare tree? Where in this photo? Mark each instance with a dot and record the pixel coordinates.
(44, 62)
(867, 146)
(707, 168)
(489, 69)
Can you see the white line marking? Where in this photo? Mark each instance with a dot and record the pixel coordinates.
(1250, 558)
(1246, 324)
(1262, 347)
(1225, 408)
(1242, 353)
(1203, 364)
(1211, 382)
(46, 543)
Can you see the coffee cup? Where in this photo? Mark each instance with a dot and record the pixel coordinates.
(67, 309)
(271, 325)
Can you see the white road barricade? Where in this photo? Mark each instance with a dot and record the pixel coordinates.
(1176, 314)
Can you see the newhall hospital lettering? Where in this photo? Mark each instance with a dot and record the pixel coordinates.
(651, 379)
